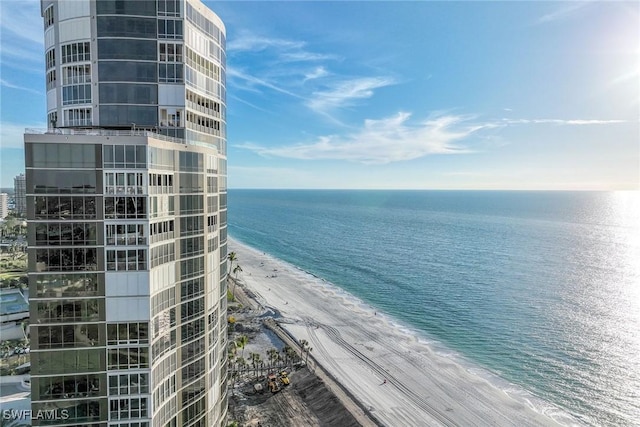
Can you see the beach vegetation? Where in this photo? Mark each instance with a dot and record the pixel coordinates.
(273, 355)
(241, 342)
(232, 256)
(237, 270)
(13, 267)
(256, 363)
(289, 354)
(232, 350)
(305, 348)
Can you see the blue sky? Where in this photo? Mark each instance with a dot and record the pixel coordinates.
(462, 95)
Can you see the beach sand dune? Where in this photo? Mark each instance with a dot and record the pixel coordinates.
(399, 379)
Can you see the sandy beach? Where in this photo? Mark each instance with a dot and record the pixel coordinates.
(400, 380)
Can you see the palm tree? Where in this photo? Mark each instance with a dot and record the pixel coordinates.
(309, 350)
(255, 361)
(272, 355)
(241, 362)
(237, 270)
(304, 344)
(241, 342)
(232, 350)
(289, 354)
(232, 257)
(25, 324)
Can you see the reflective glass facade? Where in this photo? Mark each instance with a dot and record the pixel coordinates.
(126, 224)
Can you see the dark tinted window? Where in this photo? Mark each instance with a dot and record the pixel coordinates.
(127, 49)
(125, 93)
(126, 26)
(63, 155)
(126, 115)
(127, 71)
(126, 7)
(61, 181)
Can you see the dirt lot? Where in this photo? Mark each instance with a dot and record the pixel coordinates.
(307, 401)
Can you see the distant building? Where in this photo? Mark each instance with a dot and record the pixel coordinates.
(127, 216)
(20, 188)
(4, 205)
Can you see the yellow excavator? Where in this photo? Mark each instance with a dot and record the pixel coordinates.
(272, 383)
(284, 378)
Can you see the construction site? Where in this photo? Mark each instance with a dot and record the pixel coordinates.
(288, 390)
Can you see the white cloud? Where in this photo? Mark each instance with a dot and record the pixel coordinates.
(563, 12)
(561, 121)
(11, 134)
(247, 41)
(317, 73)
(391, 139)
(253, 81)
(284, 50)
(249, 104)
(343, 93)
(305, 56)
(14, 86)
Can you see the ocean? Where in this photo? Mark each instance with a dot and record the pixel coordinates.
(541, 289)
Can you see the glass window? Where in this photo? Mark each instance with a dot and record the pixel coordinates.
(76, 52)
(125, 93)
(169, 7)
(48, 17)
(50, 58)
(67, 285)
(128, 49)
(136, 383)
(57, 181)
(127, 26)
(128, 71)
(169, 29)
(76, 74)
(68, 311)
(128, 115)
(126, 7)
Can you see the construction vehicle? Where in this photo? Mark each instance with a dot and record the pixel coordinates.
(284, 378)
(273, 383)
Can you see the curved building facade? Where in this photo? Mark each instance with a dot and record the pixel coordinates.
(126, 202)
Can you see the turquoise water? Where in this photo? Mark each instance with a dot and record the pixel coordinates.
(540, 288)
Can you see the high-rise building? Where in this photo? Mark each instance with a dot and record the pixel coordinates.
(20, 188)
(4, 205)
(126, 208)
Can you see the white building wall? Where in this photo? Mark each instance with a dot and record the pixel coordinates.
(49, 38)
(127, 309)
(171, 95)
(131, 283)
(72, 9)
(74, 29)
(162, 277)
(52, 100)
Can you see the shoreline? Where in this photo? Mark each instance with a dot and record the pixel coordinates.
(399, 377)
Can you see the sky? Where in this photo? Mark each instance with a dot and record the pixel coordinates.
(400, 95)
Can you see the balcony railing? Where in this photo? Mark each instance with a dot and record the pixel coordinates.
(104, 132)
